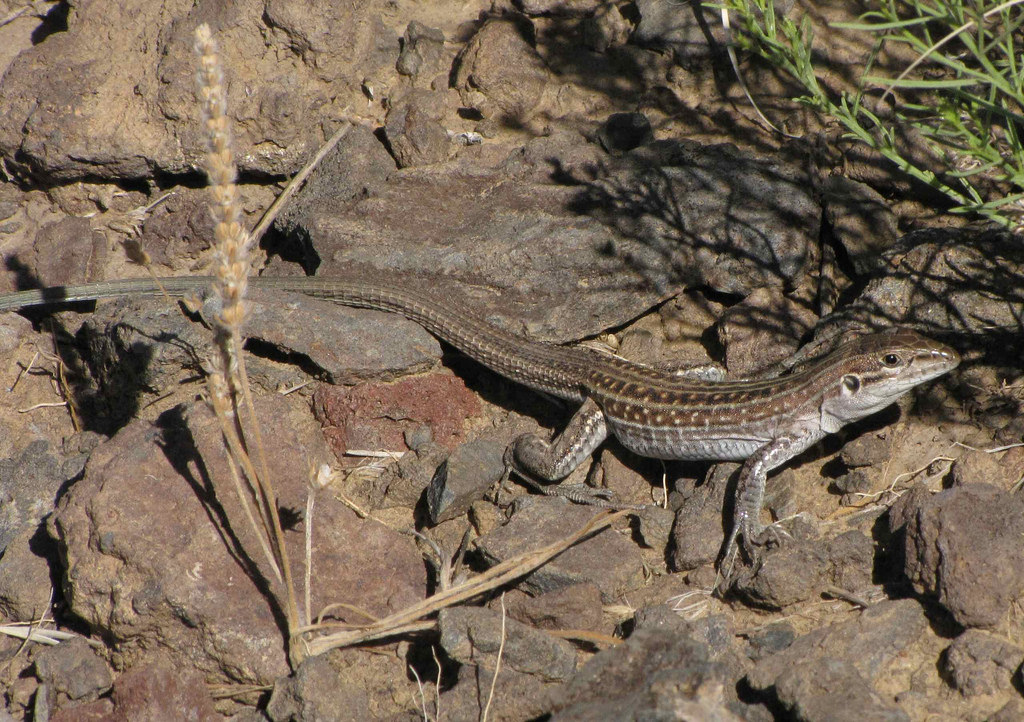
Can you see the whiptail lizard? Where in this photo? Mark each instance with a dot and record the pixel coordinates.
(652, 412)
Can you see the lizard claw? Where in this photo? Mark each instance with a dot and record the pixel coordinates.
(772, 535)
(753, 539)
(576, 493)
(726, 571)
(579, 493)
(590, 496)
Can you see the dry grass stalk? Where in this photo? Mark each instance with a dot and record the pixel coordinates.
(497, 663)
(408, 619)
(229, 379)
(228, 382)
(296, 182)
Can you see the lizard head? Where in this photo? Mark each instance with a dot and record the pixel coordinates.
(875, 370)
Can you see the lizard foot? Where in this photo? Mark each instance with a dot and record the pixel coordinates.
(590, 496)
(577, 493)
(754, 540)
(766, 537)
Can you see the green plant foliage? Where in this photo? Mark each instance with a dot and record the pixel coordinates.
(963, 97)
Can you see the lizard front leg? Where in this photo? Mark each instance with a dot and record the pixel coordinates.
(533, 457)
(746, 519)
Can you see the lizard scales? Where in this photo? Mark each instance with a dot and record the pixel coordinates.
(653, 412)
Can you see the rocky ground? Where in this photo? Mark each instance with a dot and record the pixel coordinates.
(576, 170)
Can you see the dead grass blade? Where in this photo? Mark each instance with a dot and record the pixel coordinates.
(409, 618)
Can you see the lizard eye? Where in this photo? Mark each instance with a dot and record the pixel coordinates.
(890, 359)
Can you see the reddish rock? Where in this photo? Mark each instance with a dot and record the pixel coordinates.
(156, 692)
(149, 693)
(147, 554)
(378, 415)
(99, 711)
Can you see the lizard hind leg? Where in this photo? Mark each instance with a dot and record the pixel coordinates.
(540, 462)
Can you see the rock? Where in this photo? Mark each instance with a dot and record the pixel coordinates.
(623, 132)
(414, 129)
(770, 640)
(472, 635)
(485, 517)
(516, 695)
(853, 486)
(660, 617)
(101, 710)
(832, 690)
(607, 28)
(698, 534)
(420, 45)
(567, 256)
(866, 450)
(862, 222)
(851, 558)
(872, 642)
(533, 664)
(941, 281)
(343, 685)
(359, 165)
(1009, 712)
(654, 526)
(500, 74)
(607, 559)
(652, 675)
(72, 672)
(714, 630)
(128, 347)
(339, 41)
(785, 498)
(401, 484)
(792, 573)
(66, 252)
(135, 349)
(628, 478)
(641, 344)
(719, 633)
(17, 35)
(577, 606)
(376, 416)
(677, 27)
(147, 693)
(179, 228)
(962, 547)
(463, 478)
(13, 330)
(145, 560)
(418, 437)
(1001, 470)
(26, 575)
(128, 115)
(762, 329)
(981, 663)
(748, 221)
(248, 714)
(523, 260)
(64, 131)
(29, 485)
(569, 8)
(376, 345)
